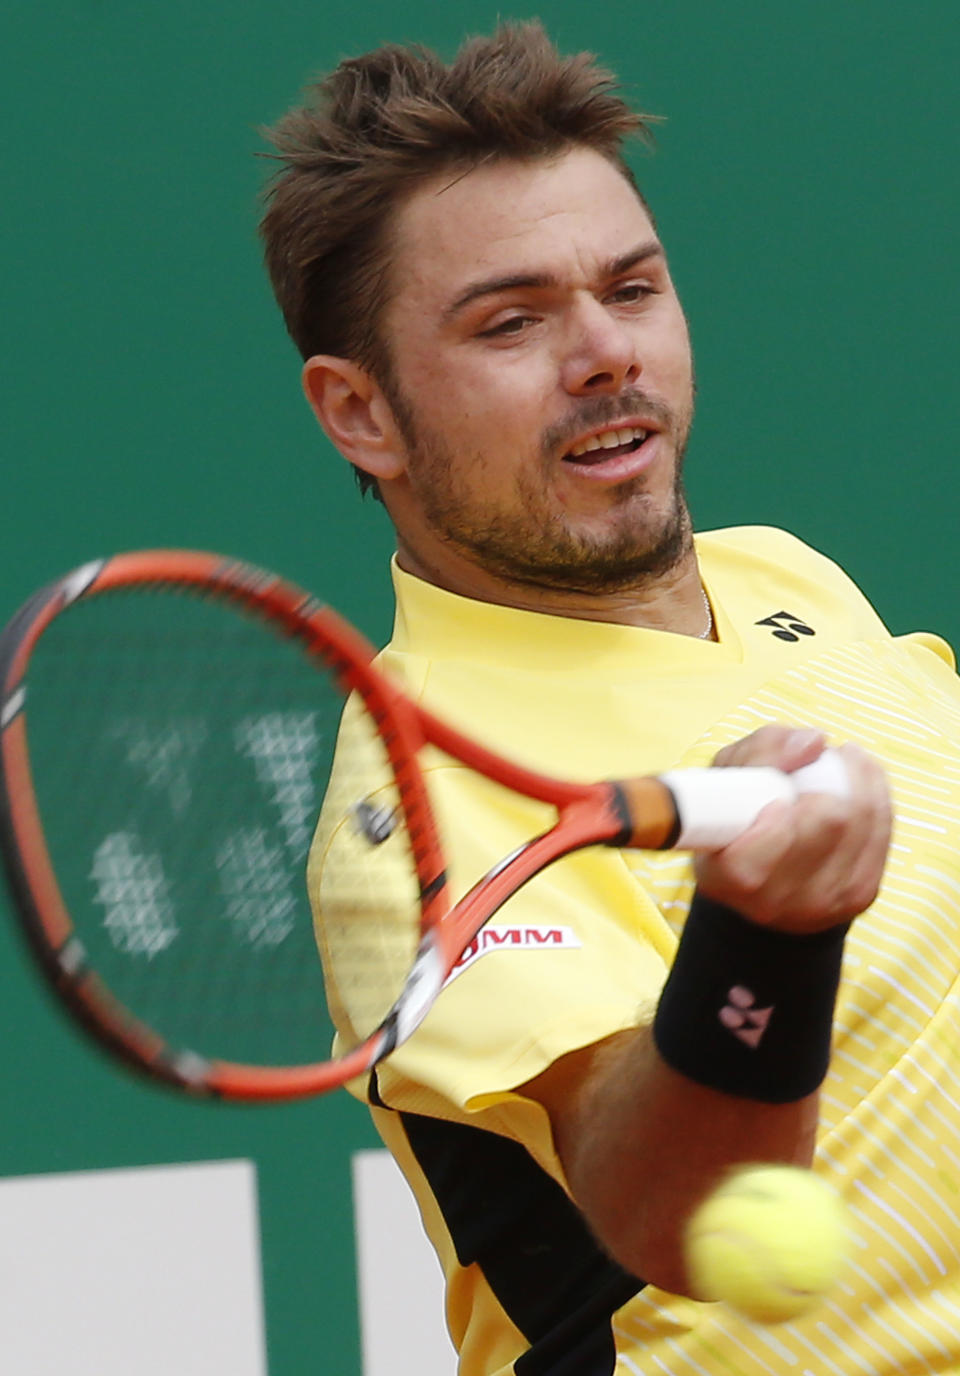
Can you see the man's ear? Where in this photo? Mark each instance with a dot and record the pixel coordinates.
(354, 414)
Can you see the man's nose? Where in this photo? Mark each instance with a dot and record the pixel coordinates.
(603, 356)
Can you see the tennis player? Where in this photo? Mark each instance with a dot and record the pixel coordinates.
(492, 338)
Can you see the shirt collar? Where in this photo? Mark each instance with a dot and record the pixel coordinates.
(435, 623)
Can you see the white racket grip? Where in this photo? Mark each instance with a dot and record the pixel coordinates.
(715, 806)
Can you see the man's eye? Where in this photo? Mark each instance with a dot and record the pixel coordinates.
(632, 292)
(515, 324)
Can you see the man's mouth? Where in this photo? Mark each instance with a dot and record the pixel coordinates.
(607, 444)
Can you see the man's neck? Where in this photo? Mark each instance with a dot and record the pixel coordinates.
(673, 601)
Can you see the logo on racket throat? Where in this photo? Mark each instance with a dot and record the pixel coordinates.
(518, 938)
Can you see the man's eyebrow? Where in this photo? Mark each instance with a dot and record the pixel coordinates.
(492, 286)
(641, 254)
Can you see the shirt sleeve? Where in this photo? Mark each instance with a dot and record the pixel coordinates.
(579, 953)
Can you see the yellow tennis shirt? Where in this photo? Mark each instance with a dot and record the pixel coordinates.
(583, 951)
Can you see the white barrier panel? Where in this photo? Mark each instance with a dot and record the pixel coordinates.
(399, 1279)
(138, 1272)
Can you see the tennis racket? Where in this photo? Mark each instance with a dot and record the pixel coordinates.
(168, 722)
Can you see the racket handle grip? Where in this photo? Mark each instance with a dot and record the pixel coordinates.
(715, 806)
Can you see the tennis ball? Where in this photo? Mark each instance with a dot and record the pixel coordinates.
(770, 1241)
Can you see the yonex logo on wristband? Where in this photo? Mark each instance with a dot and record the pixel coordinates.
(748, 1024)
(730, 973)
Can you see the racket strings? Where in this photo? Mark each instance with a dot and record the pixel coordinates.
(180, 754)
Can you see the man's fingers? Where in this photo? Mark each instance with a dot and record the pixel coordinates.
(813, 863)
(781, 747)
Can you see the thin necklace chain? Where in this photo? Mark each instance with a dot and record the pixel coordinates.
(708, 631)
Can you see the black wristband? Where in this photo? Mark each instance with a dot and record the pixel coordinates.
(747, 1009)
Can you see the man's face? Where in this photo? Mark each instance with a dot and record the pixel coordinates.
(541, 377)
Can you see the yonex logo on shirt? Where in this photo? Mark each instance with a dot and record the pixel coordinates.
(786, 626)
(748, 1024)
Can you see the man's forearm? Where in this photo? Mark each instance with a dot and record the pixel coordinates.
(641, 1145)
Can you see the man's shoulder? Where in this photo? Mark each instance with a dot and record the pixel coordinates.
(750, 566)
(761, 542)
(780, 553)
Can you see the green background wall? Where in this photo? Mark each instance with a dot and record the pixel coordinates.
(806, 188)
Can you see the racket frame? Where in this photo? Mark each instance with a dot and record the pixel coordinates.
(588, 814)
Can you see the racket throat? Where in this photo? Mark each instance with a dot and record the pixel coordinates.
(419, 994)
(601, 819)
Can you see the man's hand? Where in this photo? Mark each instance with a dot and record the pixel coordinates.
(810, 864)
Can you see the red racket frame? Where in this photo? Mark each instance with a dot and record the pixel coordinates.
(636, 813)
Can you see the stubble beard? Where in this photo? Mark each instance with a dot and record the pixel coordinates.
(530, 544)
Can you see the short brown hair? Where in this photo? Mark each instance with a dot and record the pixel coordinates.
(380, 125)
